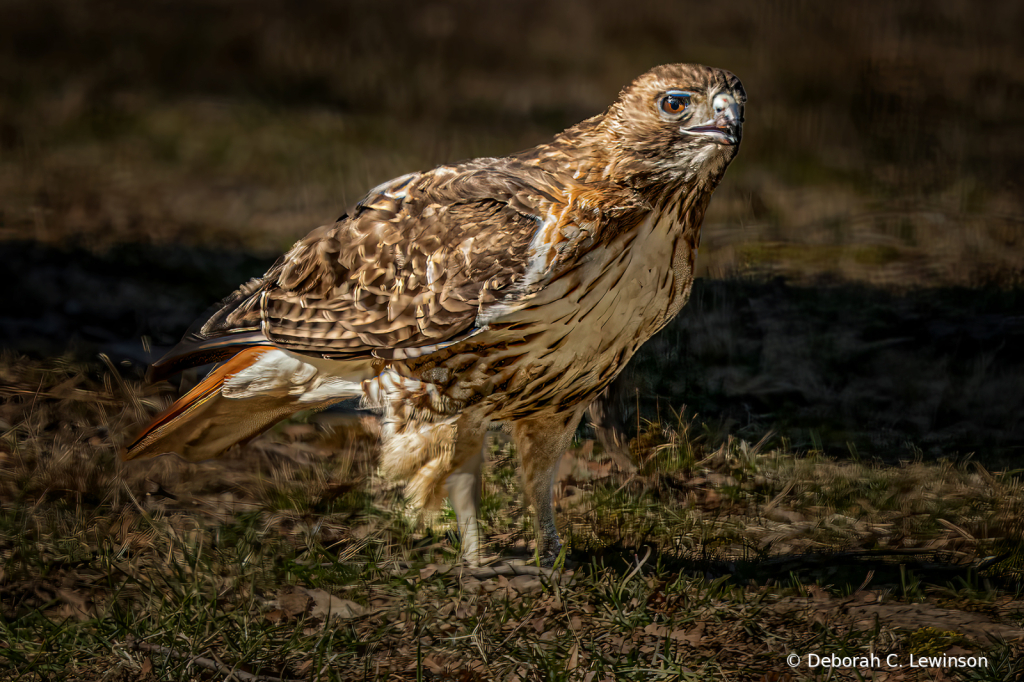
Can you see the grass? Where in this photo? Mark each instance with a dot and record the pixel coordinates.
(290, 558)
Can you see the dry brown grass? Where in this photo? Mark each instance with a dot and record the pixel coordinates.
(716, 558)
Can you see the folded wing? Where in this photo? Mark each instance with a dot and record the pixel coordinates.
(407, 273)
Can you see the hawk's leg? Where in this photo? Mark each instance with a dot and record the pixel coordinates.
(540, 442)
(464, 486)
(439, 459)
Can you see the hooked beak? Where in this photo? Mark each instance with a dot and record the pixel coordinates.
(725, 127)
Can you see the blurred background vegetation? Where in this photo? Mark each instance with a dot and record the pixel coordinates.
(861, 263)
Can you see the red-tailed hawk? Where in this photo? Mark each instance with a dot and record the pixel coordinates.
(497, 290)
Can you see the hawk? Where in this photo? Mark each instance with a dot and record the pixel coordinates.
(495, 291)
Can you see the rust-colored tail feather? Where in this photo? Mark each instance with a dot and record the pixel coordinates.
(203, 423)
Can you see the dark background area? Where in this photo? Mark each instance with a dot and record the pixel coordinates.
(861, 263)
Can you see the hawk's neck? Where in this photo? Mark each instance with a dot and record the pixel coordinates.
(606, 190)
(588, 155)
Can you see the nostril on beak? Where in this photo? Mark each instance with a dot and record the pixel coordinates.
(727, 111)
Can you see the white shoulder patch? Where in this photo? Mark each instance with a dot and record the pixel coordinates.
(281, 373)
(274, 373)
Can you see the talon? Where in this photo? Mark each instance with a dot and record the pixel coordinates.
(550, 553)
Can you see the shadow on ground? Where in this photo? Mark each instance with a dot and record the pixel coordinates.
(843, 368)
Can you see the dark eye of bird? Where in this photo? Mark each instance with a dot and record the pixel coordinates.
(675, 103)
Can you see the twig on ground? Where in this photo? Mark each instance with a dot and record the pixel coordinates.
(485, 572)
(202, 662)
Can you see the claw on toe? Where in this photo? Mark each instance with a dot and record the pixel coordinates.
(550, 555)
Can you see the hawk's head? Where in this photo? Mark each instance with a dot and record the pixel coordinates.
(677, 122)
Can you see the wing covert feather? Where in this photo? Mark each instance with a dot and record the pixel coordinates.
(423, 260)
(412, 266)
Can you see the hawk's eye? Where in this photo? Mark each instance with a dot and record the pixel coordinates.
(674, 103)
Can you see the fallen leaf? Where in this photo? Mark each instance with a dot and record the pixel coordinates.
(79, 604)
(692, 636)
(434, 665)
(328, 606)
(656, 630)
(574, 657)
(524, 584)
(292, 602)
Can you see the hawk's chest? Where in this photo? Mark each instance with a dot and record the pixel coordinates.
(576, 334)
(627, 291)
(589, 321)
